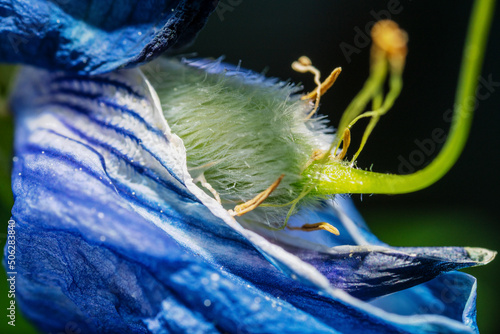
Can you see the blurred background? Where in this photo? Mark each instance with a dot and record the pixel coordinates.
(459, 210)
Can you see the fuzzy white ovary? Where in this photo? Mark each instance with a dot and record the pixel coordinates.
(242, 133)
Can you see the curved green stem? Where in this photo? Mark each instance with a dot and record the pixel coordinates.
(371, 87)
(380, 109)
(338, 178)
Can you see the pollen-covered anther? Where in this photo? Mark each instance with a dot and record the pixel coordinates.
(252, 204)
(316, 227)
(303, 65)
(390, 39)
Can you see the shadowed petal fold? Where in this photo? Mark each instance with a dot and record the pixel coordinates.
(357, 262)
(451, 294)
(113, 235)
(96, 36)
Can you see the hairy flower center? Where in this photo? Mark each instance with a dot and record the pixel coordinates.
(241, 132)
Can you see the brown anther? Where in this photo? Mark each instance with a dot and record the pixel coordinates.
(325, 85)
(252, 204)
(389, 38)
(304, 60)
(316, 227)
(316, 155)
(346, 141)
(303, 65)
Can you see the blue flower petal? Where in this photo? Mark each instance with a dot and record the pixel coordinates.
(96, 36)
(451, 294)
(357, 262)
(67, 279)
(81, 215)
(113, 235)
(371, 271)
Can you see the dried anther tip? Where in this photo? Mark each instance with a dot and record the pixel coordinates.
(316, 155)
(325, 85)
(304, 60)
(316, 227)
(346, 140)
(303, 65)
(252, 204)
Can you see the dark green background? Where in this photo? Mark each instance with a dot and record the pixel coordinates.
(462, 208)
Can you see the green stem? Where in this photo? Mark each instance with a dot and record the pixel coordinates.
(396, 85)
(372, 85)
(338, 178)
